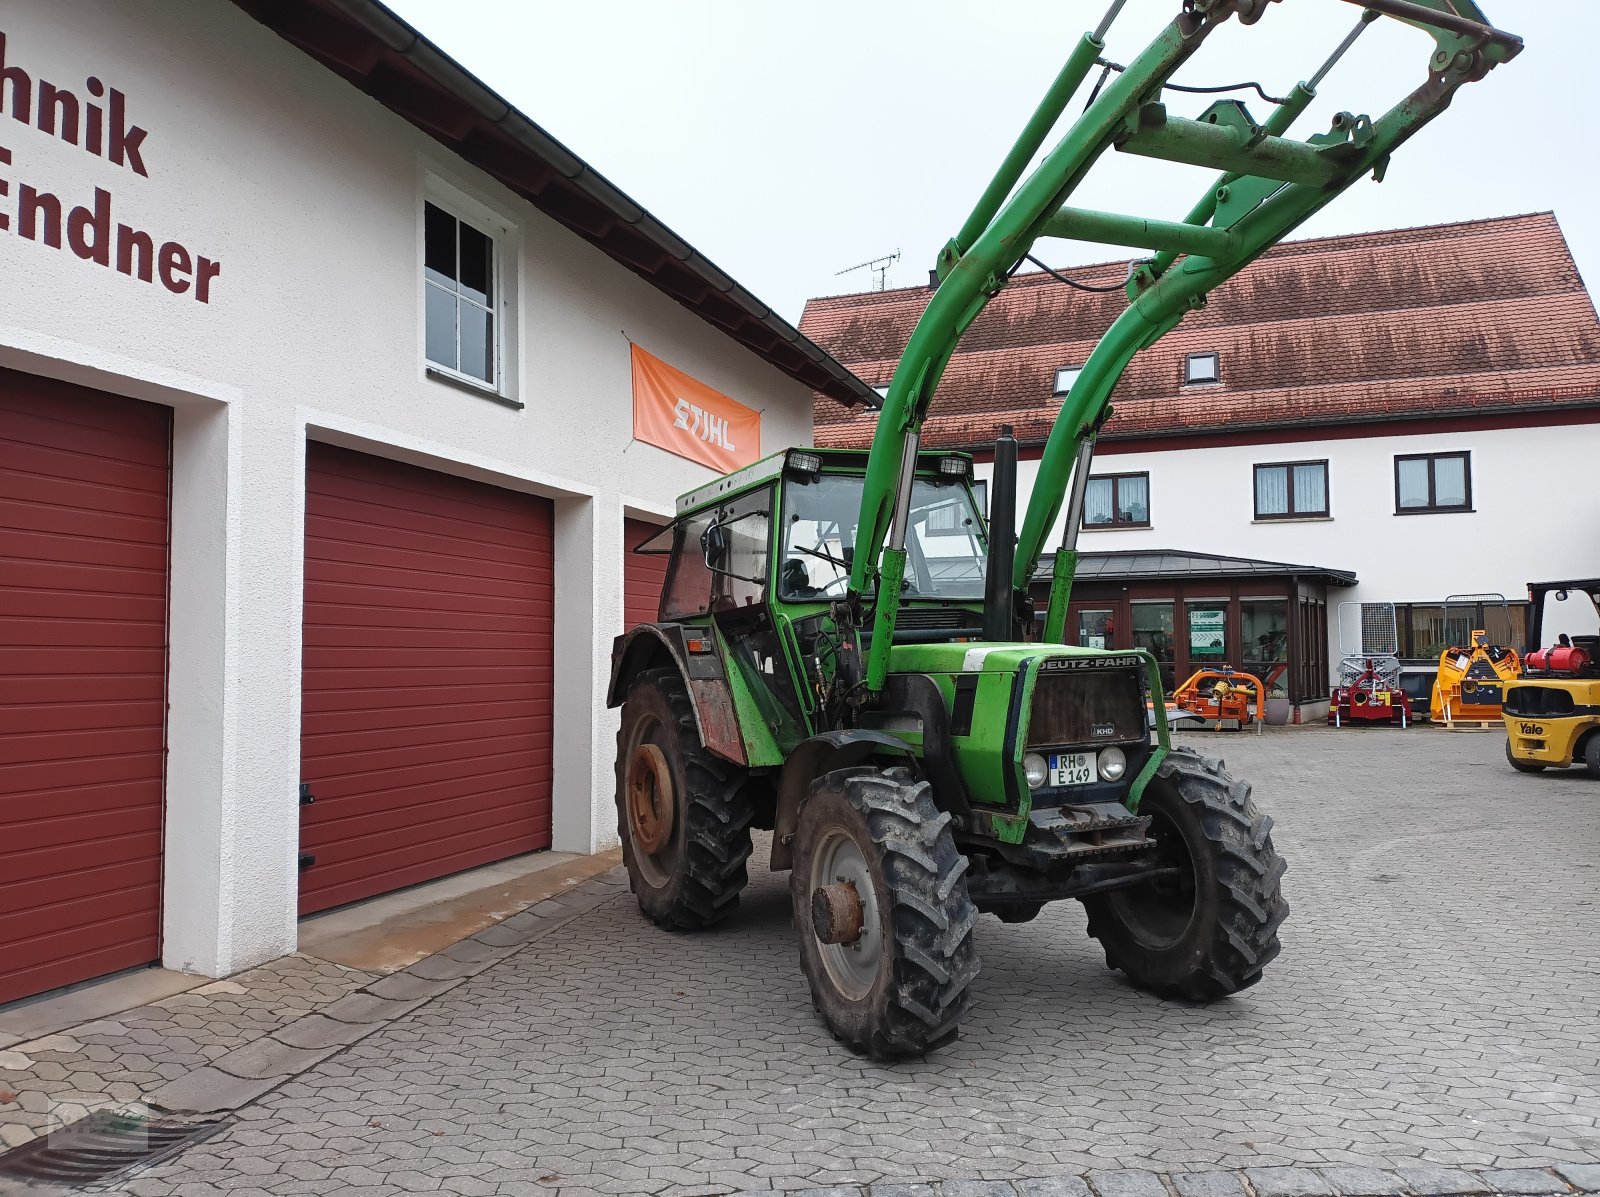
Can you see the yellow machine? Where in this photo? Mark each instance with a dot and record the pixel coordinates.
(1552, 713)
(1473, 677)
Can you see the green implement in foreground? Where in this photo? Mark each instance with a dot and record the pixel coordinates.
(846, 653)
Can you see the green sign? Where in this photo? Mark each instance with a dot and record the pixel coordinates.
(1206, 626)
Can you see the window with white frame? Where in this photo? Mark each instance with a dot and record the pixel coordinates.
(461, 308)
(1292, 490)
(1201, 368)
(1065, 377)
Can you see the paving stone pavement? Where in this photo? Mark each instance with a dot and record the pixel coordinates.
(121, 1060)
(1431, 1028)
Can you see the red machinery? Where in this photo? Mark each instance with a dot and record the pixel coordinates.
(1563, 658)
(1372, 695)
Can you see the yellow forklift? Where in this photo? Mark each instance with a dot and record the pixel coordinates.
(1552, 712)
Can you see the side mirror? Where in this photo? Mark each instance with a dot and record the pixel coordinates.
(714, 544)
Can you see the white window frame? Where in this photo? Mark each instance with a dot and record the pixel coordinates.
(1071, 374)
(503, 235)
(1189, 380)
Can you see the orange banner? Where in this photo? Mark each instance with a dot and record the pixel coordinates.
(682, 415)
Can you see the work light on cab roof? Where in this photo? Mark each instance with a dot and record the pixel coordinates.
(847, 654)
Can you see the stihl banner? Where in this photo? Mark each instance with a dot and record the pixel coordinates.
(682, 415)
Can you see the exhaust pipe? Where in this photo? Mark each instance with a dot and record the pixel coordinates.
(999, 611)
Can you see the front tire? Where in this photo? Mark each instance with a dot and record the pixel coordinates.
(683, 822)
(1209, 928)
(898, 985)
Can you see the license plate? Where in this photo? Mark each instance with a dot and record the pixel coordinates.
(1071, 768)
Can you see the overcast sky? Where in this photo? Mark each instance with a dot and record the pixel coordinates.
(788, 142)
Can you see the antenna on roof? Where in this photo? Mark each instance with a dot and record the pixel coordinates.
(880, 266)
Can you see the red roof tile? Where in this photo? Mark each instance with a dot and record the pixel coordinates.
(1482, 316)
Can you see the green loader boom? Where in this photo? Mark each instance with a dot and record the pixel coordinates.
(1268, 185)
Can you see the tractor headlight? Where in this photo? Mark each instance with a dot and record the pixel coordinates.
(1035, 770)
(1113, 763)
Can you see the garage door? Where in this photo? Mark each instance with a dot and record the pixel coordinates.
(643, 575)
(425, 732)
(83, 635)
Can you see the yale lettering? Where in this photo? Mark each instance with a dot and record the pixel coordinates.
(1531, 729)
(698, 422)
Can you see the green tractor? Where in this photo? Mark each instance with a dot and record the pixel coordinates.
(847, 654)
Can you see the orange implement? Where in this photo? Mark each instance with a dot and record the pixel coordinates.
(1222, 694)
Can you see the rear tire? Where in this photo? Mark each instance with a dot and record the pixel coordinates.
(681, 816)
(1519, 765)
(1209, 930)
(901, 987)
(1591, 754)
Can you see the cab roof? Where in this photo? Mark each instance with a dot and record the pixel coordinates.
(772, 467)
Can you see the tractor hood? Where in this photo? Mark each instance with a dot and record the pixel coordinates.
(1003, 658)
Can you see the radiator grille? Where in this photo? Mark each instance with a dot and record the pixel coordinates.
(922, 618)
(1087, 707)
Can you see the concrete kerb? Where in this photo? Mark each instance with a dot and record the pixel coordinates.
(247, 1073)
(1422, 1180)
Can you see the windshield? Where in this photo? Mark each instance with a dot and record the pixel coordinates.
(944, 550)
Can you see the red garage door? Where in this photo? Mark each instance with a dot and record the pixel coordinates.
(425, 727)
(83, 656)
(643, 575)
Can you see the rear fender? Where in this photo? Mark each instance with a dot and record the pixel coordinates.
(663, 646)
(810, 760)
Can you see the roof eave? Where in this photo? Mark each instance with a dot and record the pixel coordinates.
(700, 285)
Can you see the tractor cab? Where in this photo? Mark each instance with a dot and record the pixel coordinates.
(760, 560)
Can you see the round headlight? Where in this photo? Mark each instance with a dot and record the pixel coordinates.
(1113, 763)
(1035, 770)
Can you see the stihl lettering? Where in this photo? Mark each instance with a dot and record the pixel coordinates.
(88, 230)
(701, 424)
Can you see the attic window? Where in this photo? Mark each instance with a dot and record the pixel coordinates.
(1065, 377)
(1200, 368)
(883, 391)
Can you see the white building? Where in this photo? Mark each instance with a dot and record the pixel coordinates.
(1418, 408)
(316, 453)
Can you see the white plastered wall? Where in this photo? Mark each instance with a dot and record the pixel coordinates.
(309, 194)
(1531, 512)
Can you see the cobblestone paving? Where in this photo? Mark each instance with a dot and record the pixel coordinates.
(1434, 1008)
(56, 1079)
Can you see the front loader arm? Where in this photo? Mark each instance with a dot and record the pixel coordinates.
(1269, 185)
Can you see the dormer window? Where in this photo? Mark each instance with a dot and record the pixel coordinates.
(1065, 377)
(1201, 368)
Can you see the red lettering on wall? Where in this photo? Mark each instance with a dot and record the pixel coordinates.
(89, 232)
(175, 267)
(207, 271)
(31, 205)
(129, 241)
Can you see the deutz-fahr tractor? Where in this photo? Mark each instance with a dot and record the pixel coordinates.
(847, 653)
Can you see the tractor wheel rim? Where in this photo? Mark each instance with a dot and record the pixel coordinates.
(1159, 913)
(652, 809)
(852, 968)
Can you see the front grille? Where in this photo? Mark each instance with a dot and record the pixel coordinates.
(1087, 707)
(927, 618)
